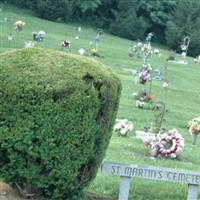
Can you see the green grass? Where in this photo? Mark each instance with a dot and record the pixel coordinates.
(182, 101)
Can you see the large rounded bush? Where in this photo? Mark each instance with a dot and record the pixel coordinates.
(56, 115)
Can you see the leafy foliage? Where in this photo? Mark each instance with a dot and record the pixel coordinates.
(131, 19)
(56, 114)
(185, 21)
(126, 23)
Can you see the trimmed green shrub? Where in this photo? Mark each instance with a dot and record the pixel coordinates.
(56, 115)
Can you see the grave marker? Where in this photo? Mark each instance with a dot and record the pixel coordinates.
(128, 171)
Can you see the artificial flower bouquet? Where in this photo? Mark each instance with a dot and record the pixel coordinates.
(142, 97)
(145, 74)
(123, 127)
(94, 52)
(167, 145)
(194, 126)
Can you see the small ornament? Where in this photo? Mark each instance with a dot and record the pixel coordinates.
(157, 75)
(165, 84)
(29, 44)
(10, 38)
(81, 51)
(79, 29)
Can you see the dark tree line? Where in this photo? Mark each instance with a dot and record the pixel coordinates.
(170, 20)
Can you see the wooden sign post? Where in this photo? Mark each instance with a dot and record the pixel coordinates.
(127, 171)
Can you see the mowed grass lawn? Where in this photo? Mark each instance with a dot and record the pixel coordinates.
(182, 100)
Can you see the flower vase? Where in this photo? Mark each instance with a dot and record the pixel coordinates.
(194, 139)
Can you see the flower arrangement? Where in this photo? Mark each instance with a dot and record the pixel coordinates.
(166, 145)
(194, 126)
(142, 97)
(94, 52)
(165, 84)
(123, 127)
(19, 25)
(197, 59)
(145, 74)
(29, 44)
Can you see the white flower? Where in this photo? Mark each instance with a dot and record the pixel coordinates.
(10, 37)
(156, 51)
(165, 84)
(123, 126)
(79, 29)
(140, 104)
(29, 44)
(134, 94)
(81, 51)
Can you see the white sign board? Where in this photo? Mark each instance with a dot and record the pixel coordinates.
(153, 173)
(127, 171)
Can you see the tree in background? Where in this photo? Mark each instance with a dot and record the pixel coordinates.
(156, 13)
(127, 23)
(185, 21)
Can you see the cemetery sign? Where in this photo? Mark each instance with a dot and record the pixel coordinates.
(127, 171)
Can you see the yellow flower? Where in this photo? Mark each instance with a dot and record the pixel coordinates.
(94, 50)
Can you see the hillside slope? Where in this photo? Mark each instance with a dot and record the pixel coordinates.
(182, 99)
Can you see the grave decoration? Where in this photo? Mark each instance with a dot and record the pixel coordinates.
(19, 25)
(194, 128)
(81, 51)
(94, 52)
(166, 145)
(157, 74)
(98, 37)
(136, 49)
(39, 36)
(165, 84)
(29, 44)
(157, 52)
(197, 59)
(145, 74)
(123, 127)
(147, 48)
(163, 143)
(142, 97)
(65, 44)
(184, 48)
(159, 112)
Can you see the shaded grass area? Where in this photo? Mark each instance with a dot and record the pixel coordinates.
(182, 101)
